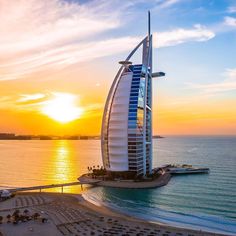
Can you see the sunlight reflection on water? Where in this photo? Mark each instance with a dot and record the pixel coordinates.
(31, 163)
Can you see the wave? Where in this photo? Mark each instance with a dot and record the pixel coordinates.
(156, 214)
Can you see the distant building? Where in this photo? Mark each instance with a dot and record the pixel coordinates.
(126, 136)
(7, 136)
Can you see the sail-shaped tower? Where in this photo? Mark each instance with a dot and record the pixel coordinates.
(126, 135)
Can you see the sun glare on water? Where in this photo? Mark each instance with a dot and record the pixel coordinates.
(62, 108)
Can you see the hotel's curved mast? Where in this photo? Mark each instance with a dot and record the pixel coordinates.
(126, 136)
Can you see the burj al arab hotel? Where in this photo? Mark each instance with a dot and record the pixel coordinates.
(126, 136)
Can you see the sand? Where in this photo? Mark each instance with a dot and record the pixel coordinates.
(70, 214)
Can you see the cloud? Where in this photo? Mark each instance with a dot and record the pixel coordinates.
(230, 21)
(58, 58)
(41, 24)
(177, 36)
(31, 97)
(46, 36)
(231, 9)
(227, 85)
(37, 33)
(230, 74)
(165, 4)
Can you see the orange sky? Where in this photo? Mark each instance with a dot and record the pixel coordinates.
(197, 115)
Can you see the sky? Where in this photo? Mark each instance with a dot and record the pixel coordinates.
(58, 59)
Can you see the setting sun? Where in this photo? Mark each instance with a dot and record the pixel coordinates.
(62, 108)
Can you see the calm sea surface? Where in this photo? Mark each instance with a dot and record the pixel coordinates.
(206, 202)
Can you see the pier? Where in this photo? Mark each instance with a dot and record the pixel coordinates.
(62, 185)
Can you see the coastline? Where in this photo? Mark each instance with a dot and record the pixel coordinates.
(71, 213)
(167, 225)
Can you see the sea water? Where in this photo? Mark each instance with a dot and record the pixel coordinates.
(203, 202)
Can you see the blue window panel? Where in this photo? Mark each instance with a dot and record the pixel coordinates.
(133, 106)
(135, 86)
(131, 126)
(132, 118)
(133, 97)
(134, 94)
(134, 90)
(132, 123)
(133, 102)
(132, 113)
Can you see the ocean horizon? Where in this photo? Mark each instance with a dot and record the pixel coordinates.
(204, 202)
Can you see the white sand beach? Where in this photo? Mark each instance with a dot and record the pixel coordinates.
(70, 214)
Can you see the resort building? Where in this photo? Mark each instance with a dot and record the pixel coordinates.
(126, 136)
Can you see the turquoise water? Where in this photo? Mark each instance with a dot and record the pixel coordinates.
(206, 202)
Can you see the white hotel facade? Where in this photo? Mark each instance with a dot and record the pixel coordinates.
(126, 136)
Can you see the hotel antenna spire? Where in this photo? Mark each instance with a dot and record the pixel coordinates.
(149, 25)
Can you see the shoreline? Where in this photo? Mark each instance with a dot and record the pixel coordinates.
(70, 212)
(192, 231)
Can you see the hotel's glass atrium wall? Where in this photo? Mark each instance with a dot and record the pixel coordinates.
(135, 122)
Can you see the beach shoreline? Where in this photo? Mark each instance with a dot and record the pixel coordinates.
(71, 214)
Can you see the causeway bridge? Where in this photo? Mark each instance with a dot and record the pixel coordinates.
(61, 185)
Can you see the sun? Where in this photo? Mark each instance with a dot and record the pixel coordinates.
(62, 108)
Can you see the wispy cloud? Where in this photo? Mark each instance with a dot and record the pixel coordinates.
(231, 9)
(198, 33)
(31, 97)
(161, 4)
(44, 33)
(227, 85)
(41, 35)
(230, 21)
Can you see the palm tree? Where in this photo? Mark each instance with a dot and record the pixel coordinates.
(98, 166)
(8, 218)
(26, 212)
(88, 169)
(36, 215)
(16, 212)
